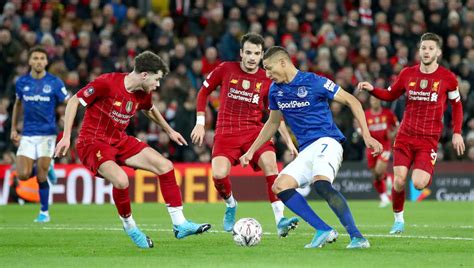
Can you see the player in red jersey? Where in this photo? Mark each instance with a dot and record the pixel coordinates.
(382, 125)
(103, 146)
(243, 97)
(427, 87)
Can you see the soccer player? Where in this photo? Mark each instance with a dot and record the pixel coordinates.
(243, 97)
(37, 93)
(103, 146)
(382, 125)
(427, 86)
(302, 98)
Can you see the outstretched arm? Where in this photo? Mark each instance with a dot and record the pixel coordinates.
(381, 93)
(347, 99)
(267, 132)
(154, 115)
(70, 114)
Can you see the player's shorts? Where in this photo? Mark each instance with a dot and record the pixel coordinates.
(233, 147)
(421, 153)
(372, 160)
(95, 152)
(323, 157)
(35, 147)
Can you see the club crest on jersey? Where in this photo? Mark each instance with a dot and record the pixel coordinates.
(423, 83)
(258, 86)
(47, 89)
(89, 92)
(27, 88)
(245, 84)
(302, 92)
(129, 106)
(435, 86)
(234, 81)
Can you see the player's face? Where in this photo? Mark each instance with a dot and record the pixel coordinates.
(375, 103)
(251, 55)
(151, 81)
(429, 52)
(38, 61)
(274, 69)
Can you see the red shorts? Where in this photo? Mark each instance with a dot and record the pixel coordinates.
(94, 153)
(372, 160)
(421, 153)
(233, 147)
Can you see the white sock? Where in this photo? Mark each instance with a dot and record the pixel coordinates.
(278, 208)
(176, 214)
(46, 213)
(230, 202)
(399, 216)
(384, 198)
(128, 223)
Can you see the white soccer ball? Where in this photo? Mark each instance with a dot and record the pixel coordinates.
(247, 232)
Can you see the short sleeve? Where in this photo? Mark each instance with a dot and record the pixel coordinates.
(452, 82)
(272, 103)
(18, 89)
(61, 91)
(146, 103)
(329, 88)
(94, 90)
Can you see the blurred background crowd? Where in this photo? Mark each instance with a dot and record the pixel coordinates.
(347, 41)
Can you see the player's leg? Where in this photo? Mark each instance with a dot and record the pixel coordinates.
(221, 166)
(267, 163)
(42, 166)
(26, 156)
(423, 166)
(150, 160)
(113, 173)
(295, 175)
(380, 178)
(327, 158)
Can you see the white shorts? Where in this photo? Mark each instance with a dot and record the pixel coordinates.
(35, 147)
(323, 157)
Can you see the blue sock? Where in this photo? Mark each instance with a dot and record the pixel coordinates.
(338, 204)
(44, 195)
(296, 203)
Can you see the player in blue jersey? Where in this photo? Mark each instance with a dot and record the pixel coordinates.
(302, 98)
(37, 93)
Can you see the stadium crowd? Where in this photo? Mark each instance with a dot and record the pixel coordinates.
(346, 41)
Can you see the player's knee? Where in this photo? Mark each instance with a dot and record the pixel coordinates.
(420, 185)
(164, 167)
(121, 182)
(23, 175)
(220, 172)
(279, 186)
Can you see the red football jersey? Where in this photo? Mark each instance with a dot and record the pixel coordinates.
(426, 100)
(243, 97)
(380, 124)
(109, 107)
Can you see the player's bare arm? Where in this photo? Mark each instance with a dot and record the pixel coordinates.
(70, 114)
(347, 99)
(197, 135)
(17, 107)
(267, 132)
(283, 130)
(457, 113)
(154, 115)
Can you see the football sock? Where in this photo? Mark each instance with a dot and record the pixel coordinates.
(271, 195)
(399, 216)
(296, 203)
(44, 195)
(170, 189)
(384, 198)
(51, 174)
(230, 202)
(176, 214)
(380, 186)
(122, 202)
(398, 200)
(223, 187)
(339, 206)
(128, 222)
(278, 208)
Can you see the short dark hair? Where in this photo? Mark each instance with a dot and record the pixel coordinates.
(253, 38)
(149, 62)
(275, 50)
(432, 37)
(39, 49)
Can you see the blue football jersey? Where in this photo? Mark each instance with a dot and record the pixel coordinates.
(40, 98)
(304, 105)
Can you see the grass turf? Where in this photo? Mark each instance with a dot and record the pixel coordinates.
(438, 234)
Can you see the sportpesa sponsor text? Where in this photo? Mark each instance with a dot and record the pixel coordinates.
(293, 104)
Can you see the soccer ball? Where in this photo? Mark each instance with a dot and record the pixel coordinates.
(247, 232)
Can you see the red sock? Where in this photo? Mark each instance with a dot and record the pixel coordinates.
(170, 189)
(398, 200)
(223, 187)
(380, 186)
(270, 180)
(122, 202)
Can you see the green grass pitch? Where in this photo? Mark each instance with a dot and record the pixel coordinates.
(438, 234)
